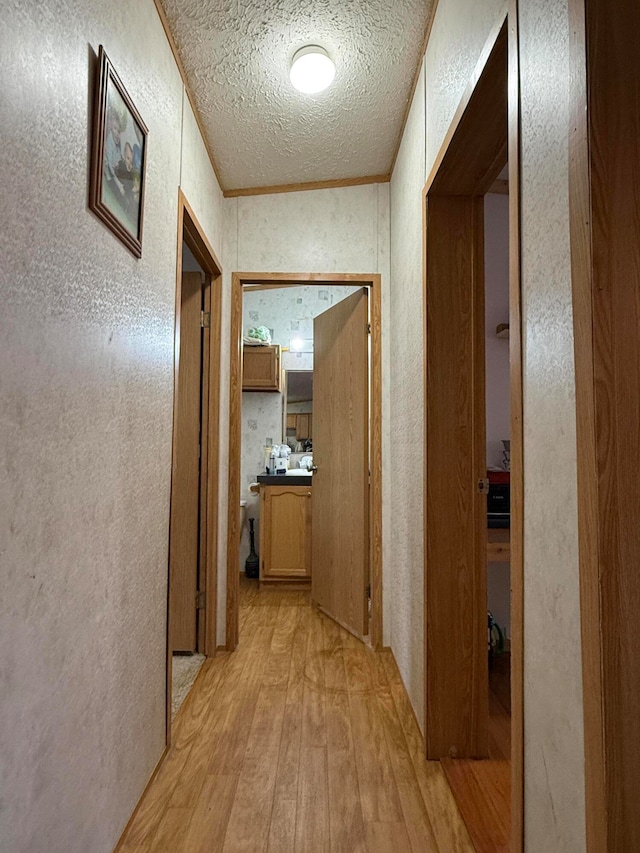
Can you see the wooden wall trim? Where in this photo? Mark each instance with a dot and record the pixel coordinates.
(582, 282)
(296, 279)
(604, 176)
(517, 437)
(238, 281)
(190, 231)
(307, 186)
(199, 243)
(375, 461)
(451, 173)
(501, 47)
(235, 457)
(213, 488)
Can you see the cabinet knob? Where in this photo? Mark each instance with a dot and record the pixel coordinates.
(308, 494)
(313, 469)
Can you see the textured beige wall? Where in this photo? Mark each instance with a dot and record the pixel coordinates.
(198, 181)
(86, 349)
(554, 752)
(406, 566)
(554, 766)
(335, 230)
(459, 33)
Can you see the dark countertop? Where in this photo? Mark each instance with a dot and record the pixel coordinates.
(285, 479)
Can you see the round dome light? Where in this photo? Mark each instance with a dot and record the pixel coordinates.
(312, 69)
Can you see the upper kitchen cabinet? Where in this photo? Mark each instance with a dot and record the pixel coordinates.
(261, 368)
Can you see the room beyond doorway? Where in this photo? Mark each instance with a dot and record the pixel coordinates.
(242, 283)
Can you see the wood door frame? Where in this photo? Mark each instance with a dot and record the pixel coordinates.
(267, 281)
(190, 231)
(466, 166)
(605, 257)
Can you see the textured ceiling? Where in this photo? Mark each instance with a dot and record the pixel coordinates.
(236, 56)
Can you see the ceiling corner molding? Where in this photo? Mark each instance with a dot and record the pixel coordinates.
(174, 49)
(416, 77)
(310, 185)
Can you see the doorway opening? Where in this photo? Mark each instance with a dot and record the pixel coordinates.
(461, 540)
(498, 431)
(352, 326)
(192, 588)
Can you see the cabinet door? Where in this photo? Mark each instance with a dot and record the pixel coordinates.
(261, 368)
(302, 427)
(285, 533)
(291, 422)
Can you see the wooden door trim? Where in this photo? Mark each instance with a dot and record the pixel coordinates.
(603, 180)
(467, 140)
(190, 231)
(587, 467)
(502, 45)
(238, 282)
(517, 434)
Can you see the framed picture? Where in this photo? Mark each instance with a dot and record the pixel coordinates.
(116, 193)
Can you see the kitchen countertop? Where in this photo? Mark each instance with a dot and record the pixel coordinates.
(285, 480)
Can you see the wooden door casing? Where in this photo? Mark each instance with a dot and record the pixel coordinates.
(604, 181)
(249, 281)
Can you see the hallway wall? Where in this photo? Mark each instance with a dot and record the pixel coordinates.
(554, 736)
(554, 764)
(86, 395)
(407, 406)
(344, 230)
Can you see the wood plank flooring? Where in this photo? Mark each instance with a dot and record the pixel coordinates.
(302, 740)
(482, 789)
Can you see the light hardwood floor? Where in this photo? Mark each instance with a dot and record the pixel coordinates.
(302, 740)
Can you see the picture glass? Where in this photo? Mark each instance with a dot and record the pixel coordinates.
(122, 164)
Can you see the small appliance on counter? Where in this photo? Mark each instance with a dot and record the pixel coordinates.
(499, 499)
(278, 462)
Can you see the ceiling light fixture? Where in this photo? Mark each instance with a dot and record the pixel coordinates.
(312, 69)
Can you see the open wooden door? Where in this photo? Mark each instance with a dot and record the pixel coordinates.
(340, 526)
(185, 486)
(457, 713)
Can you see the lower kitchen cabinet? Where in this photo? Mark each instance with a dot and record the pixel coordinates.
(285, 533)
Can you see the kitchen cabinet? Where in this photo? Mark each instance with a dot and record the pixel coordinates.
(285, 533)
(261, 368)
(303, 427)
(302, 424)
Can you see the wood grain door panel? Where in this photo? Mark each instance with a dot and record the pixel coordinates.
(340, 563)
(185, 486)
(455, 512)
